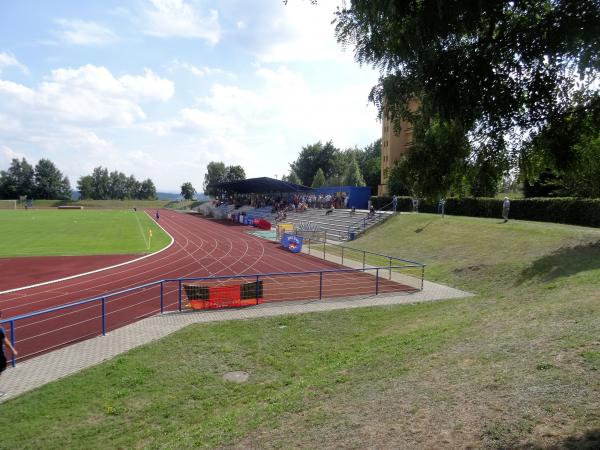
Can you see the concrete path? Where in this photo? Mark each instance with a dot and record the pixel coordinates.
(52, 366)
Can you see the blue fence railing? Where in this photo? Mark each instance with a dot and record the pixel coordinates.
(282, 286)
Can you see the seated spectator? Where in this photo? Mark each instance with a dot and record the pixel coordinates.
(353, 211)
(371, 211)
(329, 210)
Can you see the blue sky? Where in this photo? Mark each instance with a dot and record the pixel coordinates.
(159, 88)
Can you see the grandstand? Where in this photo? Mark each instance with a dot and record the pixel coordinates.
(340, 225)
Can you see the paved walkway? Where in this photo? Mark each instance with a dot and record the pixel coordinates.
(46, 368)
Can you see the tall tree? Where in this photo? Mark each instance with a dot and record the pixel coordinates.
(132, 186)
(50, 182)
(85, 186)
(486, 69)
(18, 180)
(100, 184)
(562, 157)
(147, 190)
(314, 157)
(187, 191)
(235, 173)
(369, 160)
(215, 173)
(353, 175)
(117, 185)
(319, 179)
(291, 178)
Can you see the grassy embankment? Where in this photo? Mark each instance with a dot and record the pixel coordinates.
(514, 366)
(78, 232)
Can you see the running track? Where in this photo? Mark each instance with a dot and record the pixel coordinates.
(202, 248)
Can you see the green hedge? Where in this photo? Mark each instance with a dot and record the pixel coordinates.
(574, 211)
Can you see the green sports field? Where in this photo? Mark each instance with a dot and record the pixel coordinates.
(78, 232)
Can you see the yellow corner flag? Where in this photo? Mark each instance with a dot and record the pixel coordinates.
(149, 237)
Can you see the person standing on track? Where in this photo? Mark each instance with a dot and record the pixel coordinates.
(157, 215)
(4, 341)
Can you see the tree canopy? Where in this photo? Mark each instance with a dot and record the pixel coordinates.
(44, 181)
(187, 191)
(102, 185)
(491, 71)
(217, 172)
(353, 166)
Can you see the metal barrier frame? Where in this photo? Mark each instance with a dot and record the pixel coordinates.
(257, 276)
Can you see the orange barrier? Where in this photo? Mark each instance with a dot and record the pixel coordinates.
(229, 296)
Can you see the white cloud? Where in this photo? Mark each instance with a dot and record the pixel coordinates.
(198, 71)
(80, 32)
(88, 94)
(178, 18)
(8, 60)
(8, 154)
(296, 32)
(264, 128)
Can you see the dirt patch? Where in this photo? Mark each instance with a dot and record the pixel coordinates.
(237, 376)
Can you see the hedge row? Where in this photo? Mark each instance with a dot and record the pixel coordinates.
(574, 211)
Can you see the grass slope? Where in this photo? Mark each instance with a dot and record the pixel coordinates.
(77, 232)
(514, 367)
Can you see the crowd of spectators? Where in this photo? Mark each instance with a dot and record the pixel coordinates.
(286, 202)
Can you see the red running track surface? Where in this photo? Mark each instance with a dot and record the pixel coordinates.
(202, 248)
(17, 272)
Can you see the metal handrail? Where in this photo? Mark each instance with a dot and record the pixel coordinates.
(354, 226)
(102, 298)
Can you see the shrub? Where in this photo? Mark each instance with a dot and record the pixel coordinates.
(574, 211)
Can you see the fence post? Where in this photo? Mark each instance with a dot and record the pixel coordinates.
(324, 243)
(364, 258)
(179, 298)
(12, 341)
(162, 303)
(320, 285)
(342, 255)
(103, 316)
(422, 276)
(390, 267)
(257, 277)
(309, 246)
(377, 281)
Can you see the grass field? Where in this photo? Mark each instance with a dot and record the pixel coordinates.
(516, 366)
(78, 232)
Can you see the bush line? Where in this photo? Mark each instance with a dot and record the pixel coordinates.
(573, 211)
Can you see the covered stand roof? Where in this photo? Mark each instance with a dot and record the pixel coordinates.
(259, 186)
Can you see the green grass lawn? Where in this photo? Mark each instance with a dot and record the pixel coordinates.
(77, 232)
(516, 366)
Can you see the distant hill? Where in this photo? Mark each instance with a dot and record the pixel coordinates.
(168, 196)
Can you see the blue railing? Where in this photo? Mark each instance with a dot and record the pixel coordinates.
(392, 260)
(361, 224)
(102, 299)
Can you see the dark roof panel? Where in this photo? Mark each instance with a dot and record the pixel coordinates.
(259, 186)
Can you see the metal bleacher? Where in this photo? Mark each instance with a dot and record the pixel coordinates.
(340, 225)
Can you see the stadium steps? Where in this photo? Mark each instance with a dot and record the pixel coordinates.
(340, 224)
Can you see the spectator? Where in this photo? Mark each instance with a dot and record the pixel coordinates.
(441, 206)
(505, 209)
(394, 203)
(4, 341)
(415, 204)
(329, 210)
